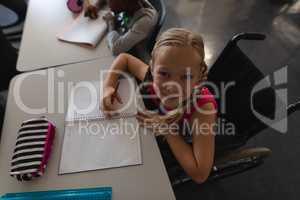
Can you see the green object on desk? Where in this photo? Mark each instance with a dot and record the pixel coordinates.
(102, 193)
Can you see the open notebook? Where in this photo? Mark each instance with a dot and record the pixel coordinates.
(84, 30)
(92, 141)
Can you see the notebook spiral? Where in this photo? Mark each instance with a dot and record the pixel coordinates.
(80, 117)
(78, 108)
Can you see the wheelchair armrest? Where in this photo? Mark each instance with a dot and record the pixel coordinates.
(248, 36)
(293, 108)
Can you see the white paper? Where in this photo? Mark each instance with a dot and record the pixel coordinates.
(84, 30)
(84, 100)
(99, 144)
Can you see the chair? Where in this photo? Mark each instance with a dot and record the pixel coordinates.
(12, 31)
(160, 7)
(8, 57)
(234, 66)
(3, 98)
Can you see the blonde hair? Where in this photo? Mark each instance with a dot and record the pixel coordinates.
(180, 37)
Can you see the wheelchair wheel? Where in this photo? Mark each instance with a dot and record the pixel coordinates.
(238, 161)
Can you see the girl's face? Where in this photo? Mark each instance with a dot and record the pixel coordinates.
(176, 70)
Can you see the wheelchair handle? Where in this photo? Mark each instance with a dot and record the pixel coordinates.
(293, 108)
(248, 36)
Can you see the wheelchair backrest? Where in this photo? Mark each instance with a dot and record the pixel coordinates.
(236, 71)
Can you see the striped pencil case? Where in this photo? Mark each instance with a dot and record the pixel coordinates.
(32, 149)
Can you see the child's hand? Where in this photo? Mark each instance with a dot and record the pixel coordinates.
(109, 97)
(109, 16)
(160, 124)
(110, 20)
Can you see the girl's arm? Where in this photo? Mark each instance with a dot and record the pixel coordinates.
(196, 159)
(125, 63)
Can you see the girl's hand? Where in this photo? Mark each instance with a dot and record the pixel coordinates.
(109, 97)
(109, 17)
(160, 124)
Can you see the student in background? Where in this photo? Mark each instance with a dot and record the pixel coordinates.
(138, 20)
(173, 80)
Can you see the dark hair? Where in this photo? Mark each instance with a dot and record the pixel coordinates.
(128, 5)
(130, 1)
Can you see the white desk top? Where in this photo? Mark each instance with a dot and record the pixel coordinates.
(40, 47)
(147, 181)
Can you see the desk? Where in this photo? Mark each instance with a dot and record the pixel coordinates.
(41, 49)
(146, 181)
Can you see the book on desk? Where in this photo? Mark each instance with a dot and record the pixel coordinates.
(84, 31)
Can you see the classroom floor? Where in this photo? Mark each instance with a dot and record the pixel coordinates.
(218, 21)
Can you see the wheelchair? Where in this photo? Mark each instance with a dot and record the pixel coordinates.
(231, 157)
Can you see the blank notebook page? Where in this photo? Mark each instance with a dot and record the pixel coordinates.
(100, 143)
